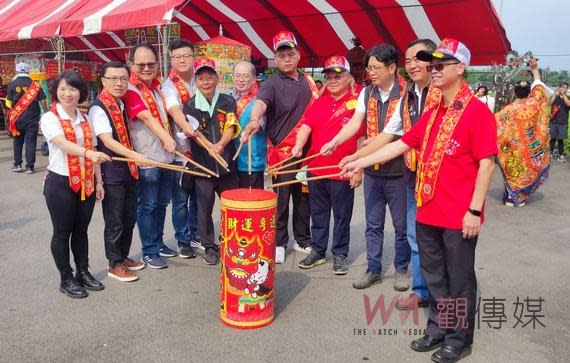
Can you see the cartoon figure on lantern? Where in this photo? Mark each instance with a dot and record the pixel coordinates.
(258, 278)
(245, 270)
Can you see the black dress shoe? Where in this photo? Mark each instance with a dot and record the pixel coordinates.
(86, 280)
(71, 288)
(450, 354)
(426, 343)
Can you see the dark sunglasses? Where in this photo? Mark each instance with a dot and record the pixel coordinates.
(439, 66)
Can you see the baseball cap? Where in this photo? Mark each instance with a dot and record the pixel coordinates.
(448, 49)
(284, 39)
(204, 62)
(337, 63)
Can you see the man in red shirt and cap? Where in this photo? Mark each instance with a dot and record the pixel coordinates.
(457, 143)
(322, 121)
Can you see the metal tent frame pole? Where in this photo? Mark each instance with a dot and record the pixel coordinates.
(58, 45)
(163, 40)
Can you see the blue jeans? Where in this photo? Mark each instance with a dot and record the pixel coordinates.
(184, 213)
(418, 283)
(379, 191)
(155, 191)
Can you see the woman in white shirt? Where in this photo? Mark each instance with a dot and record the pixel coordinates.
(73, 182)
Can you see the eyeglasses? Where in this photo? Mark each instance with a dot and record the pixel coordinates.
(374, 69)
(117, 79)
(180, 57)
(243, 77)
(439, 66)
(142, 66)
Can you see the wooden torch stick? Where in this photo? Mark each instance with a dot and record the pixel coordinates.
(249, 156)
(300, 170)
(212, 153)
(163, 166)
(302, 180)
(296, 162)
(196, 164)
(274, 166)
(238, 150)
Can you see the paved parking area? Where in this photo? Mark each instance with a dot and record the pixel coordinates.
(172, 314)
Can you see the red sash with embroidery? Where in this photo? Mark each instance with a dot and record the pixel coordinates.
(433, 95)
(79, 178)
(282, 151)
(148, 97)
(554, 111)
(22, 105)
(246, 99)
(372, 111)
(119, 122)
(428, 170)
(180, 87)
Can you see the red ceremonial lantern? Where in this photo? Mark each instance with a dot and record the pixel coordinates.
(248, 229)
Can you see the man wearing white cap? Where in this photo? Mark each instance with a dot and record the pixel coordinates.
(457, 143)
(24, 97)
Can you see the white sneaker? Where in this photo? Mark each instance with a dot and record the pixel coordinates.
(306, 250)
(280, 255)
(562, 159)
(196, 244)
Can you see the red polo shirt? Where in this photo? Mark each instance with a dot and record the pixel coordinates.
(319, 117)
(474, 138)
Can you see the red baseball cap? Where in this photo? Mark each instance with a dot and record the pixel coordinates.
(202, 62)
(337, 63)
(284, 39)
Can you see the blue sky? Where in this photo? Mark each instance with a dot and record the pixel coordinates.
(540, 26)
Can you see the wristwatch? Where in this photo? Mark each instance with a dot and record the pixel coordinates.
(476, 213)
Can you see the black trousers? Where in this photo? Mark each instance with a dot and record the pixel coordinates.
(447, 262)
(255, 180)
(28, 136)
(70, 217)
(120, 215)
(206, 190)
(325, 196)
(301, 212)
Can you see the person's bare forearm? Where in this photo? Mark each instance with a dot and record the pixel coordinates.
(484, 177)
(302, 136)
(383, 155)
(68, 147)
(153, 124)
(349, 130)
(117, 147)
(180, 120)
(227, 136)
(375, 143)
(98, 175)
(258, 110)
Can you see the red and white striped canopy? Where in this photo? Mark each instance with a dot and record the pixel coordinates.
(322, 27)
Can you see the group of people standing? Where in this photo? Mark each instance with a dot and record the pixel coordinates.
(426, 150)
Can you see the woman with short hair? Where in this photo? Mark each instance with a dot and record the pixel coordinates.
(73, 182)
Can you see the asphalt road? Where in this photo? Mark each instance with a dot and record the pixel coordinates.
(172, 314)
